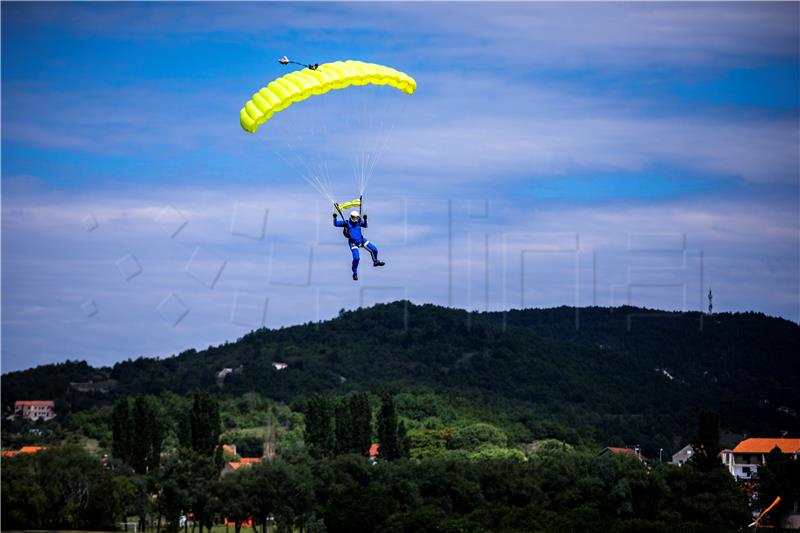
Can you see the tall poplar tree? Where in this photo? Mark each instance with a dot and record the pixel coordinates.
(361, 420)
(204, 424)
(387, 429)
(319, 435)
(121, 429)
(344, 427)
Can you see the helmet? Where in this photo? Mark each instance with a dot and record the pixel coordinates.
(354, 214)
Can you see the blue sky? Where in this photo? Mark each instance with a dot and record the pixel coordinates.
(578, 154)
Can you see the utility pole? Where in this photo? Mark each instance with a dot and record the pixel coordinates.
(710, 303)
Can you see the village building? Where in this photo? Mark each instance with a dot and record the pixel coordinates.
(35, 409)
(24, 449)
(682, 456)
(374, 452)
(232, 466)
(743, 461)
(280, 365)
(631, 452)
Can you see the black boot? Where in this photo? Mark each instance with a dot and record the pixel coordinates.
(355, 276)
(378, 264)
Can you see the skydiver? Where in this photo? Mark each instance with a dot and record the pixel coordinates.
(352, 230)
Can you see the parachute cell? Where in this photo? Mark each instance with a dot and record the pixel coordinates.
(299, 85)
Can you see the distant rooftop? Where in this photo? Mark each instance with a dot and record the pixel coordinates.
(766, 445)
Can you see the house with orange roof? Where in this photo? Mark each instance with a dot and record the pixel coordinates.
(743, 461)
(232, 466)
(35, 409)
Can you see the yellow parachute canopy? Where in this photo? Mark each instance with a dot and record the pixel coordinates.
(299, 85)
(349, 205)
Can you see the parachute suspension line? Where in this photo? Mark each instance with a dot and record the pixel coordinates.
(317, 178)
(375, 159)
(364, 117)
(291, 152)
(286, 61)
(374, 120)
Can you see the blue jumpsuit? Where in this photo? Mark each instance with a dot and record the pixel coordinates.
(356, 240)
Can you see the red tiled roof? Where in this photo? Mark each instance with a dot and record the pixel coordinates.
(374, 450)
(24, 449)
(32, 449)
(35, 403)
(762, 445)
(229, 449)
(244, 461)
(626, 451)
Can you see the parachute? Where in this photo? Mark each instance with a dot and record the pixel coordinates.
(318, 137)
(349, 205)
(299, 85)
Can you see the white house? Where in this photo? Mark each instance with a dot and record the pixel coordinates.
(743, 461)
(279, 365)
(682, 456)
(35, 409)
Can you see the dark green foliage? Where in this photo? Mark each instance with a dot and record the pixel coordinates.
(319, 433)
(780, 476)
(361, 421)
(353, 421)
(345, 430)
(249, 446)
(403, 442)
(121, 430)
(706, 445)
(477, 435)
(60, 488)
(474, 483)
(554, 492)
(233, 497)
(596, 382)
(138, 432)
(387, 429)
(279, 489)
(204, 424)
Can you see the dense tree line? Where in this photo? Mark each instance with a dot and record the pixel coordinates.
(63, 488)
(138, 432)
(344, 425)
(554, 490)
(596, 382)
(449, 472)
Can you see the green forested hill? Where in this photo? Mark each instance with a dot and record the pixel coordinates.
(616, 376)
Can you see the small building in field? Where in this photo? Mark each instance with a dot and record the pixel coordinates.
(280, 365)
(743, 461)
(682, 456)
(35, 409)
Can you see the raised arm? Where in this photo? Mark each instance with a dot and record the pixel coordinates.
(337, 223)
(363, 221)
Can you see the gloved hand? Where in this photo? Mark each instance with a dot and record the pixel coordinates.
(365, 218)
(334, 216)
